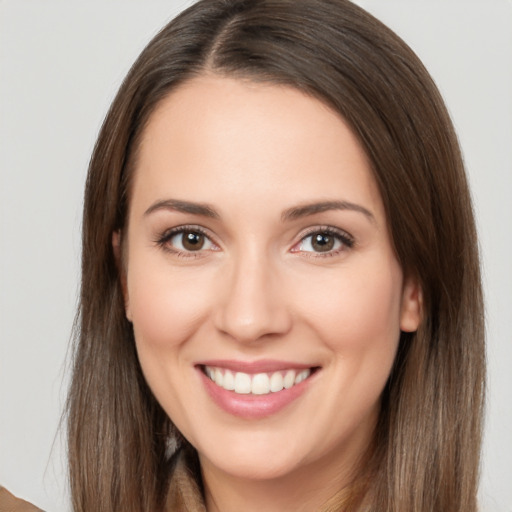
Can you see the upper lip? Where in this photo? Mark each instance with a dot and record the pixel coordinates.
(259, 366)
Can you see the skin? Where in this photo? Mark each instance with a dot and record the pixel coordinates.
(258, 289)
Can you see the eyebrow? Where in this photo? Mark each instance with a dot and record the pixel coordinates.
(313, 208)
(183, 206)
(293, 213)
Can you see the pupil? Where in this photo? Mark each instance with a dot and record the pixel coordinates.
(323, 242)
(193, 241)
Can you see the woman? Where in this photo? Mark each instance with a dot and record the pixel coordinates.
(277, 204)
(416, 446)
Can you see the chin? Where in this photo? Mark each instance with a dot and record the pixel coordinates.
(255, 467)
(252, 457)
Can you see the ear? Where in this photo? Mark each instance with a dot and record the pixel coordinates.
(121, 268)
(412, 305)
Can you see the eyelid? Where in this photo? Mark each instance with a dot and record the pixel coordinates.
(347, 240)
(163, 239)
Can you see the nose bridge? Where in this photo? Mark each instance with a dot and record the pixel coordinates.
(252, 305)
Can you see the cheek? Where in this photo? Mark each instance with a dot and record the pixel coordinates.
(359, 323)
(165, 306)
(166, 310)
(357, 310)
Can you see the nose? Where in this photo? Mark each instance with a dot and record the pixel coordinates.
(252, 303)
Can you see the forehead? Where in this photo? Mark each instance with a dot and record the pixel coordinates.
(216, 138)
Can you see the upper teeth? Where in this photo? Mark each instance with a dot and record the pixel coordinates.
(257, 384)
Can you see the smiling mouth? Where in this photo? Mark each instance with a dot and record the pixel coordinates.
(256, 384)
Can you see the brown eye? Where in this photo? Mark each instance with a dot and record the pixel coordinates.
(322, 242)
(188, 240)
(328, 242)
(192, 241)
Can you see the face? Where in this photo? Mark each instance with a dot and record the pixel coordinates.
(265, 296)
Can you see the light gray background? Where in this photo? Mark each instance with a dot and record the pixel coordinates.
(60, 65)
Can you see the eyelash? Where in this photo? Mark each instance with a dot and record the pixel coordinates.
(166, 237)
(347, 241)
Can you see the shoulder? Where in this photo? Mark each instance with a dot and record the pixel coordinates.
(9, 503)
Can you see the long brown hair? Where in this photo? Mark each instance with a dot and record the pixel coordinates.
(427, 444)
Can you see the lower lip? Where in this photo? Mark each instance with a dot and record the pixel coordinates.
(251, 406)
